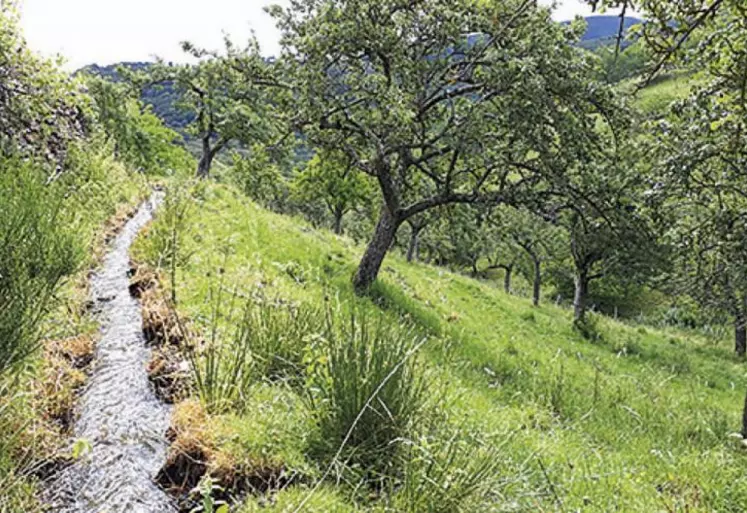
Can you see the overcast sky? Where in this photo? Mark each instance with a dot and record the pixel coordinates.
(109, 31)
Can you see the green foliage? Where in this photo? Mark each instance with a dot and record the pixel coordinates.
(630, 62)
(41, 108)
(260, 177)
(140, 138)
(206, 489)
(368, 390)
(328, 179)
(36, 251)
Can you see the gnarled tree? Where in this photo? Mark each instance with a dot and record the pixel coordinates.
(477, 98)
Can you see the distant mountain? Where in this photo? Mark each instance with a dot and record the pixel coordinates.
(602, 30)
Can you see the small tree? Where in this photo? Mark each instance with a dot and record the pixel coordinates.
(611, 222)
(330, 177)
(229, 96)
(539, 240)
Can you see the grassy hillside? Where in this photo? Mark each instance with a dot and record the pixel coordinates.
(635, 420)
(662, 92)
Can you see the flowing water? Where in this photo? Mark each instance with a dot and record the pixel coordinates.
(120, 417)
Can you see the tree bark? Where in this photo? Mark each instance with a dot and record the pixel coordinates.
(740, 334)
(370, 264)
(412, 249)
(338, 215)
(206, 159)
(507, 278)
(537, 282)
(579, 297)
(475, 271)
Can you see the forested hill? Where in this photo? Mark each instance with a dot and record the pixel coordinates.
(601, 30)
(162, 98)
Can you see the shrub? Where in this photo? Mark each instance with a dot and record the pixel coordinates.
(367, 388)
(589, 327)
(36, 252)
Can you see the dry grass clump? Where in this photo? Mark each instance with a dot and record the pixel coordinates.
(190, 450)
(65, 364)
(205, 445)
(168, 369)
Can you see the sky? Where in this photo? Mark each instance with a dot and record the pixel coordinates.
(110, 31)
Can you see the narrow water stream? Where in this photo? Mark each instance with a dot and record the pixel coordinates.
(119, 415)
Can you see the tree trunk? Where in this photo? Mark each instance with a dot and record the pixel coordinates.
(206, 159)
(740, 334)
(338, 214)
(412, 249)
(370, 264)
(579, 298)
(537, 282)
(507, 279)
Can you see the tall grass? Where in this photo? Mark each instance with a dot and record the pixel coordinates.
(166, 243)
(368, 390)
(447, 473)
(36, 252)
(250, 340)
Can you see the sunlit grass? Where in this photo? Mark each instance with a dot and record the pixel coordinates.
(636, 421)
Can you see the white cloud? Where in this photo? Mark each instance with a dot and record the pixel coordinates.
(109, 31)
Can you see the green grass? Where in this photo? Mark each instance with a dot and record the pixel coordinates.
(636, 421)
(279, 436)
(29, 439)
(662, 92)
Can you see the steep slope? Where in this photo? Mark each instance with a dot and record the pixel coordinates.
(637, 420)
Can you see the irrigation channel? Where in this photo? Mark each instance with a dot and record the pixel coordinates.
(119, 415)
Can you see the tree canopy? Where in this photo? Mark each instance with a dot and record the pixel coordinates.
(474, 99)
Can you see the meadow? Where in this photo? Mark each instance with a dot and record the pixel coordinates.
(633, 418)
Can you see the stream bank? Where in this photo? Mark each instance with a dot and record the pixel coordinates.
(121, 423)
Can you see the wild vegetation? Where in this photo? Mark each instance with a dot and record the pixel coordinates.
(436, 256)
